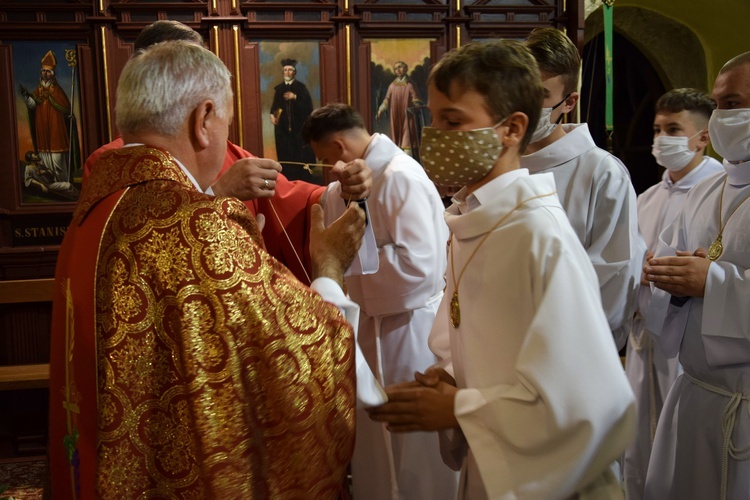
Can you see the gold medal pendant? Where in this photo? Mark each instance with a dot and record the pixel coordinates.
(455, 310)
(716, 249)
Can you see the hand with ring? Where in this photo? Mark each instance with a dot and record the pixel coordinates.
(248, 179)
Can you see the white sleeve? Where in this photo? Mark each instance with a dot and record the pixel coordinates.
(369, 391)
(366, 260)
(667, 321)
(725, 326)
(616, 248)
(569, 413)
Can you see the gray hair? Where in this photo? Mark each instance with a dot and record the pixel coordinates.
(163, 84)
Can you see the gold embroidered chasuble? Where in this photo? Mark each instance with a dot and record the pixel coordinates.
(186, 361)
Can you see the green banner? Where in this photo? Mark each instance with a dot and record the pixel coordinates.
(608, 73)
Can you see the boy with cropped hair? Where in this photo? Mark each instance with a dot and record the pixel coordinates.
(593, 185)
(528, 396)
(680, 141)
(397, 303)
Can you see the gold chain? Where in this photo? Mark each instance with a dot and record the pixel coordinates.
(717, 248)
(455, 308)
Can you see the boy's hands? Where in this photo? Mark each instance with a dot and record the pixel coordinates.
(423, 405)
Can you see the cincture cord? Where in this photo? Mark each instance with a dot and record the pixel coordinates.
(309, 281)
(306, 166)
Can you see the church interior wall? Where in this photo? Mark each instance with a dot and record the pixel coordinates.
(336, 43)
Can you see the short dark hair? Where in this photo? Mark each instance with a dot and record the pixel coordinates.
(330, 119)
(556, 54)
(736, 62)
(166, 31)
(693, 100)
(503, 71)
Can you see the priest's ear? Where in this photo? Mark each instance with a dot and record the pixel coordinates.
(202, 121)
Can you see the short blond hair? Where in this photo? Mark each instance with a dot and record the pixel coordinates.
(557, 55)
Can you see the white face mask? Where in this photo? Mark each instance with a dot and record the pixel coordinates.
(545, 127)
(673, 153)
(459, 157)
(729, 130)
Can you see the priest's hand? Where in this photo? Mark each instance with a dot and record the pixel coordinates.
(355, 178)
(248, 179)
(333, 248)
(424, 406)
(682, 276)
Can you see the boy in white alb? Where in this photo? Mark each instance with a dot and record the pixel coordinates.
(529, 397)
(680, 139)
(593, 186)
(397, 303)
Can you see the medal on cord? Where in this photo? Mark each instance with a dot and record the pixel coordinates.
(717, 248)
(455, 306)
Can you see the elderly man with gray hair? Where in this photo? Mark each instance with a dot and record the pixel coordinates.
(186, 361)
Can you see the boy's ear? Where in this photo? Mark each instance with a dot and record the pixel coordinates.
(516, 124)
(571, 102)
(703, 139)
(339, 145)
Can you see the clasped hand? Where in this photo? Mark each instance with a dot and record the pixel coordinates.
(683, 275)
(426, 404)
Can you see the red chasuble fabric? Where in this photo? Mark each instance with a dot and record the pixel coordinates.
(291, 201)
(187, 362)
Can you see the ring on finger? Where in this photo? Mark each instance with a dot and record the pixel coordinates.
(265, 184)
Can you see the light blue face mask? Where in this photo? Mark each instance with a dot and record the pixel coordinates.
(459, 157)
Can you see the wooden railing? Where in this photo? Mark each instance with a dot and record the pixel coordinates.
(22, 292)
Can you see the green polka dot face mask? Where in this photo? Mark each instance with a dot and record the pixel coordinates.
(459, 157)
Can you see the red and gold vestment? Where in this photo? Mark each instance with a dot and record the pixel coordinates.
(186, 361)
(283, 235)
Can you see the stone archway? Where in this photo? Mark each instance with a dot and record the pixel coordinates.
(673, 49)
(645, 66)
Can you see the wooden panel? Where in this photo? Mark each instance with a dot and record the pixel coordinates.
(24, 377)
(19, 291)
(25, 333)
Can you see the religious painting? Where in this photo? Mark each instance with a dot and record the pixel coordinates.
(48, 111)
(399, 69)
(290, 90)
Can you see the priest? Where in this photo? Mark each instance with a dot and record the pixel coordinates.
(186, 361)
